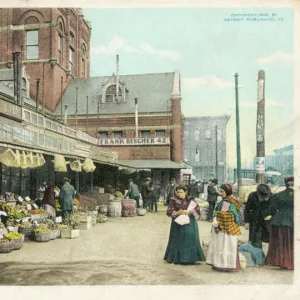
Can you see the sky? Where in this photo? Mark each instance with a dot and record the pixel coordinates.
(208, 46)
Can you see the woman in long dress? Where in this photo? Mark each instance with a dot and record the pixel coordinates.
(184, 243)
(222, 252)
(281, 214)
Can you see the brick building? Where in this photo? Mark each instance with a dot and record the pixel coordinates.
(150, 139)
(202, 136)
(54, 44)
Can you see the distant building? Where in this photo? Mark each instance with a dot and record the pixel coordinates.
(202, 136)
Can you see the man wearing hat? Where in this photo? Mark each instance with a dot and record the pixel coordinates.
(146, 192)
(281, 216)
(170, 191)
(255, 211)
(212, 196)
(66, 195)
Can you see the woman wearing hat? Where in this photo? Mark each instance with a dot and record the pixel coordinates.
(255, 211)
(184, 242)
(281, 216)
(222, 252)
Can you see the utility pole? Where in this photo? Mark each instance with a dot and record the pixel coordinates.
(260, 129)
(216, 152)
(238, 145)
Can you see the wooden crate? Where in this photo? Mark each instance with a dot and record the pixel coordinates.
(85, 226)
(84, 219)
(69, 233)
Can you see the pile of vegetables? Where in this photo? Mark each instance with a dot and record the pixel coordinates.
(26, 224)
(13, 235)
(101, 218)
(12, 212)
(42, 229)
(46, 222)
(37, 211)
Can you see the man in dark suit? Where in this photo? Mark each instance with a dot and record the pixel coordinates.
(212, 196)
(254, 214)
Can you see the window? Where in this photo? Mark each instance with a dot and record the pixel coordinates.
(207, 133)
(40, 121)
(41, 139)
(71, 53)
(103, 134)
(82, 68)
(197, 134)
(110, 95)
(59, 44)
(48, 124)
(27, 116)
(59, 128)
(219, 134)
(24, 87)
(145, 133)
(32, 44)
(72, 38)
(48, 141)
(117, 134)
(34, 118)
(160, 133)
(54, 127)
(197, 155)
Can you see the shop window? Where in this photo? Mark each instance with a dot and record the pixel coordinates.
(32, 44)
(27, 116)
(145, 133)
(117, 134)
(160, 133)
(40, 121)
(41, 139)
(34, 119)
(48, 124)
(103, 134)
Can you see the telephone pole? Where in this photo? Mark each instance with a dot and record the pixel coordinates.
(238, 145)
(260, 129)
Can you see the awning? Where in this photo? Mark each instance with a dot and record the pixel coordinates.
(151, 164)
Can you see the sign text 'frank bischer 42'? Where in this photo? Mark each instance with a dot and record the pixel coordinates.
(134, 141)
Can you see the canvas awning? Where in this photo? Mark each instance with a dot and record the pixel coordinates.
(151, 164)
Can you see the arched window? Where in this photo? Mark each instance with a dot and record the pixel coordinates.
(83, 50)
(110, 95)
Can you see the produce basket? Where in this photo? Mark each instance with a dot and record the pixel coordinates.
(27, 231)
(6, 247)
(42, 236)
(53, 234)
(17, 243)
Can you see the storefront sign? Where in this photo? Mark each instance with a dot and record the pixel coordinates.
(260, 128)
(134, 141)
(260, 165)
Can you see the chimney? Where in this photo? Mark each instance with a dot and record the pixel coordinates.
(17, 76)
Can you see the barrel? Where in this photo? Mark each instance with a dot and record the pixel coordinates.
(128, 208)
(114, 208)
(103, 209)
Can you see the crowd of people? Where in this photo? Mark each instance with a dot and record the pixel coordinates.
(269, 219)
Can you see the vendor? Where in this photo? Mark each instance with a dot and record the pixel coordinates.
(66, 195)
(49, 202)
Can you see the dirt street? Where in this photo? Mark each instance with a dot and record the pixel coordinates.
(122, 251)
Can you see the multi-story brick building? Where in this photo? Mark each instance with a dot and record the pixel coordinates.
(202, 136)
(143, 122)
(54, 44)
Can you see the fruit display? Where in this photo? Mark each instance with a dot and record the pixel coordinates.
(76, 202)
(63, 227)
(37, 211)
(13, 235)
(12, 212)
(26, 224)
(46, 222)
(42, 229)
(101, 218)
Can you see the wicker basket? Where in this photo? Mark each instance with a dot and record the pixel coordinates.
(42, 236)
(6, 247)
(27, 231)
(17, 243)
(53, 235)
